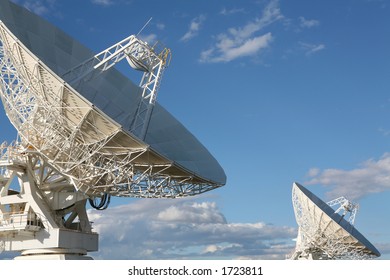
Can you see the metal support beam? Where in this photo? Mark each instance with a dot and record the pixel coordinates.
(140, 56)
(38, 222)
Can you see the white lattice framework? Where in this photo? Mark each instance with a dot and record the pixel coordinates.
(76, 138)
(348, 208)
(41, 212)
(319, 236)
(140, 56)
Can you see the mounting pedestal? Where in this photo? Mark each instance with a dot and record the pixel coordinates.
(41, 213)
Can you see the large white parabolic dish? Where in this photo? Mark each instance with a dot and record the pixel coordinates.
(84, 131)
(326, 232)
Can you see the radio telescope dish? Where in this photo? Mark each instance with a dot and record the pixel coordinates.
(86, 132)
(324, 233)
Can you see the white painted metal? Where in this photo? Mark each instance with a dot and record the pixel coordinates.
(69, 150)
(150, 84)
(2, 246)
(320, 236)
(54, 254)
(45, 212)
(140, 56)
(79, 140)
(346, 206)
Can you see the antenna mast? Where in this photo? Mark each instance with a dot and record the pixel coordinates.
(143, 27)
(140, 56)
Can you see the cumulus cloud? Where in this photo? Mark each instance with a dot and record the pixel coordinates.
(308, 23)
(194, 28)
(373, 176)
(243, 41)
(184, 229)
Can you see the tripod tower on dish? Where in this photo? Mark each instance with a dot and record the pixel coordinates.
(325, 232)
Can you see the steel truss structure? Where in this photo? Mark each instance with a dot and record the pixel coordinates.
(322, 237)
(41, 212)
(348, 208)
(69, 151)
(140, 56)
(93, 152)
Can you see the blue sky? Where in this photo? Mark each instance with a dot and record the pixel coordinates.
(278, 91)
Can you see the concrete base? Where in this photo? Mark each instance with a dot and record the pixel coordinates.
(55, 244)
(53, 238)
(53, 257)
(54, 254)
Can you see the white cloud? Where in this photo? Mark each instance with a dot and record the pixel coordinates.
(194, 28)
(39, 7)
(229, 50)
(384, 131)
(103, 2)
(271, 13)
(182, 229)
(243, 41)
(227, 12)
(311, 49)
(150, 38)
(313, 172)
(160, 26)
(194, 212)
(372, 177)
(308, 23)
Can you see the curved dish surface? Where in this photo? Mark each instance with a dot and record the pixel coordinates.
(320, 217)
(112, 97)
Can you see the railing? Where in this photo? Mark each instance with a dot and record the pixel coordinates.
(21, 222)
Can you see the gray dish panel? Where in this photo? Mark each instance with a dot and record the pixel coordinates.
(112, 92)
(173, 140)
(338, 219)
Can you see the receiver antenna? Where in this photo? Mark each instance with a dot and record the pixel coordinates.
(146, 24)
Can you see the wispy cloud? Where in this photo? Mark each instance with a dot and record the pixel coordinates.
(228, 49)
(182, 229)
(194, 28)
(383, 131)
(372, 177)
(308, 23)
(160, 26)
(39, 7)
(311, 49)
(150, 38)
(232, 11)
(103, 2)
(243, 41)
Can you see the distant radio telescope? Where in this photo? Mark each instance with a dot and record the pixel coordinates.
(324, 233)
(85, 132)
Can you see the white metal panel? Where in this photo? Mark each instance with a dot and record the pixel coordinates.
(112, 93)
(320, 228)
